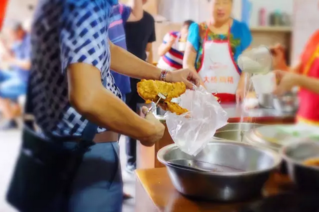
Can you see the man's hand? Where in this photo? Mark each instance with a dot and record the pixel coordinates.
(287, 81)
(190, 78)
(158, 128)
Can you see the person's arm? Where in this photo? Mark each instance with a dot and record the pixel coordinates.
(127, 64)
(88, 96)
(149, 50)
(279, 60)
(83, 70)
(23, 64)
(288, 80)
(189, 57)
(309, 83)
(167, 44)
(192, 47)
(136, 11)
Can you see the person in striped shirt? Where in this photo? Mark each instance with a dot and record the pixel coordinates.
(173, 47)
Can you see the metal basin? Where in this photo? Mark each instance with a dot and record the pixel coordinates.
(236, 131)
(266, 100)
(239, 126)
(305, 177)
(251, 167)
(288, 103)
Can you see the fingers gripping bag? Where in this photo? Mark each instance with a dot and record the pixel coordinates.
(192, 131)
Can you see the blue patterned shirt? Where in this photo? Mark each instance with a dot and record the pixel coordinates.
(66, 32)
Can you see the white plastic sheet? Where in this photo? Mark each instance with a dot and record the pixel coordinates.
(193, 130)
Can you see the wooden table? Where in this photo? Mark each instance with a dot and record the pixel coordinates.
(155, 193)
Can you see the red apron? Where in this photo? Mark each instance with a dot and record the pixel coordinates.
(218, 69)
(309, 102)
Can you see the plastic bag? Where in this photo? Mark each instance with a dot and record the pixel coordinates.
(193, 130)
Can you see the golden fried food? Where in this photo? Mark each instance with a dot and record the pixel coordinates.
(312, 162)
(149, 90)
(173, 107)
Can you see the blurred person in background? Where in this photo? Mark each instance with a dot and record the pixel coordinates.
(27, 24)
(213, 48)
(173, 47)
(122, 14)
(73, 98)
(305, 74)
(13, 82)
(139, 36)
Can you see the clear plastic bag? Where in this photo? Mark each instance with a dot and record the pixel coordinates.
(193, 130)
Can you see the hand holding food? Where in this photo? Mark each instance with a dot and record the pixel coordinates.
(150, 90)
(158, 129)
(187, 76)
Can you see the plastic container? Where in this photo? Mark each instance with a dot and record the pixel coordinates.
(256, 61)
(264, 84)
(262, 17)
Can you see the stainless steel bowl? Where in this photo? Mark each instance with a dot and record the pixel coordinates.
(239, 126)
(236, 131)
(287, 103)
(305, 177)
(255, 165)
(266, 100)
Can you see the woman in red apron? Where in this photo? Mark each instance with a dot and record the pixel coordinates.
(305, 75)
(213, 48)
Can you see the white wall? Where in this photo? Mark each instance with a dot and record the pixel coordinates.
(18, 9)
(270, 6)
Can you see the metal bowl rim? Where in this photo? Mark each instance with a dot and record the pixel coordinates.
(273, 154)
(283, 154)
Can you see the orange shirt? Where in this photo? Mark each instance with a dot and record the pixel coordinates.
(309, 50)
(309, 101)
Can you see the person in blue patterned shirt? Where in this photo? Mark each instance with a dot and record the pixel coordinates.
(72, 95)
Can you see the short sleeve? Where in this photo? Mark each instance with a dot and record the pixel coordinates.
(193, 36)
(125, 12)
(246, 37)
(152, 37)
(83, 34)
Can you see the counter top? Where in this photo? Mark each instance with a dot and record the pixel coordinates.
(258, 115)
(155, 192)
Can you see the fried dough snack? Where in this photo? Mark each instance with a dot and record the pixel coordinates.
(173, 107)
(312, 162)
(149, 90)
